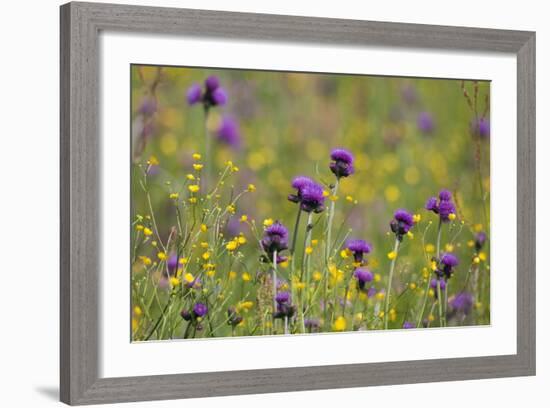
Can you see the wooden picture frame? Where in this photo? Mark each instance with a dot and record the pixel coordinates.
(81, 24)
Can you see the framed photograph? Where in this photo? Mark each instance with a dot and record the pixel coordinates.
(261, 203)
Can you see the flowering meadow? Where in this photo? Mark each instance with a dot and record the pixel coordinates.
(277, 203)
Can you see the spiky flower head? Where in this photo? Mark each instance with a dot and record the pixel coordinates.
(275, 238)
(401, 223)
(200, 309)
(228, 132)
(341, 163)
(363, 276)
(299, 183)
(359, 248)
(312, 198)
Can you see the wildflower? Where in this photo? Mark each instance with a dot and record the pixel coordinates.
(244, 218)
(232, 245)
(204, 228)
(447, 263)
(312, 324)
(417, 218)
(251, 188)
(233, 318)
(481, 128)
(206, 255)
(339, 324)
(309, 250)
(153, 161)
(359, 248)
(228, 132)
(363, 276)
(174, 281)
(268, 222)
(139, 227)
(342, 163)
(462, 303)
(174, 196)
(194, 188)
(312, 198)
(172, 264)
(200, 309)
(198, 166)
(445, 207)
(246, 277)
(433, 285)
(425, 122)
(408, 325)
(161, 256)
(190, 177)
(275, 238)
(196, 156)
(317, 276)
(480, 239)
(392, 255)
(401, 223)
(284, 305)
(212, 94)
(147, 231)
(299, 183)
(145, 260)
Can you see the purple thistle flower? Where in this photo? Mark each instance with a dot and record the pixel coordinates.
(431, 204)
(447, 262)
(402, 223)
(233, 318)
(275, 238)
(359, 247)
(342, 163)
(312, 198)
(212, 83)
(219, 97)
(363, 276)
(445, 195)
(172, 264)
(200, 309)
(408, 325)
(283, 297)
(425, 122)
(480, 239)
(444, 207)
(228, 132)
(481, 128)
(462, 303)
(299, 183)
(194, 94)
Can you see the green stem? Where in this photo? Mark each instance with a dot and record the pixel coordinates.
(439, 303)
(207, 158)
(274, 283)
(388, 291)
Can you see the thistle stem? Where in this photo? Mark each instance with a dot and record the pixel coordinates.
(388, 291)
(207, 158)
(274, 277)
(439, 304)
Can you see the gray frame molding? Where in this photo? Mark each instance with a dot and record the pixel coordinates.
(80, 234)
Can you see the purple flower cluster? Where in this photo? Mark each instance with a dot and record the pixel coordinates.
(342, 163)
(401, 223)
(444, 207)
(228, 132)
(408, 325)
(212, 94)
(359, 248)
(309, 194)
(284, 305)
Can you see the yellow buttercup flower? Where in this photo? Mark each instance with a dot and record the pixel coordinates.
(147, 231)
(204, 228)
(483, 256)
(145, 260)
(317, 276)
(449, 247)
(194, 188)
(153, 161)
(241, 240)
(204, 244)
(196, 156)
(139, 227)
(174, 281)
(267, 222)
(314, 242)
(430, 248)
(452, 216)
(417, 218)
(246, 277)
(198, 166)
(392, 255)
(161, 256)
(174, 196)
(206, 255)
(190, 177)
(251, 188)
(309, 250)
(339, 324)
(244, 218)
(232, 245)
